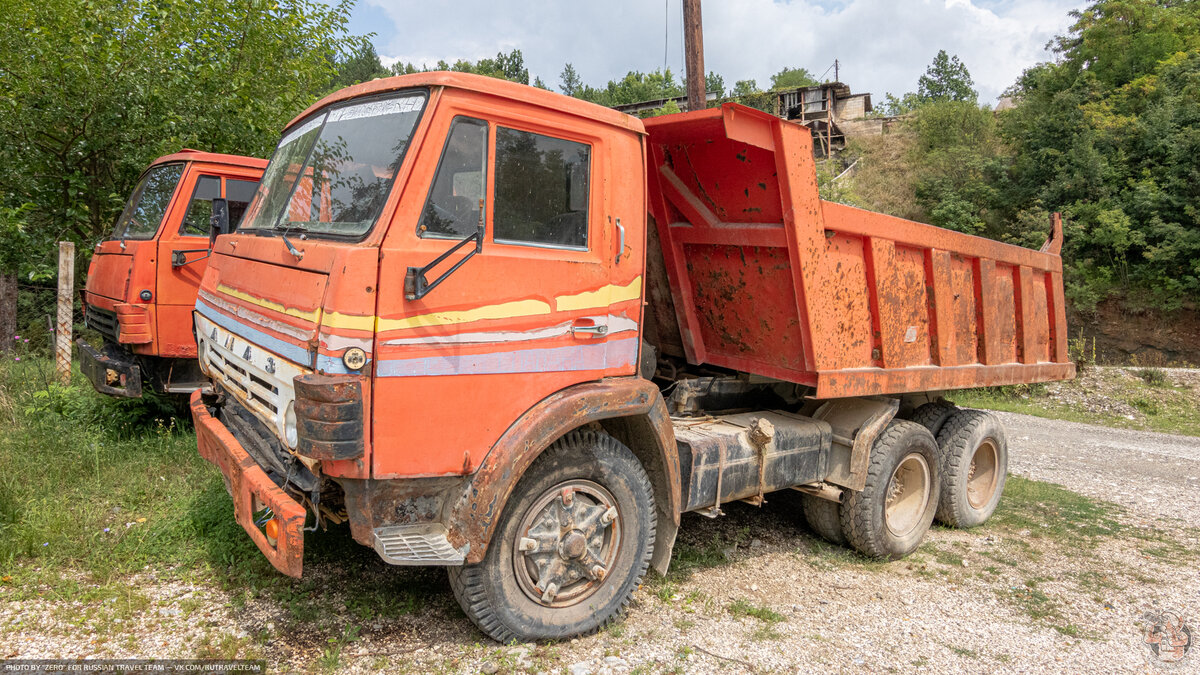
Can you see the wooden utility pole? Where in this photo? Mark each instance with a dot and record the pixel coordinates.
(693, 44)
(66, 310)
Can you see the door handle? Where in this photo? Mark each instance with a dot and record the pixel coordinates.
(589, 328)
(620, 241)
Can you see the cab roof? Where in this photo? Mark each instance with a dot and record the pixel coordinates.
(487, 85)
(190, 155)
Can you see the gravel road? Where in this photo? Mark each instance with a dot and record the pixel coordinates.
(1008, 597)
(1150, 473)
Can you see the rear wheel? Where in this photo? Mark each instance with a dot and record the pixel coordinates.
(974, 459)
(933, 415)
(572, 545)
(822, 517)
(890, 515)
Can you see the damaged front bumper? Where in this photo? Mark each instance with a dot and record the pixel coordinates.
(256, 499)
(110, 370)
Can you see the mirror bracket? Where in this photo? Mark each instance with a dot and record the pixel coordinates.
(416, 286)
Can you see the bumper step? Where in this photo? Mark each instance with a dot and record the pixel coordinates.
(424, 544)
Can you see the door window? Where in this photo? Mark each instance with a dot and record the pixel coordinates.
(453, 207)
(239, 193)
(541, 190)
(199, 213)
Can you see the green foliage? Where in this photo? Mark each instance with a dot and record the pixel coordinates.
(569, 81)
(668, 108)
(135, 79)
(360, 65)
(1109, 133)
(946, 79)
(635, 87)
(792, 78)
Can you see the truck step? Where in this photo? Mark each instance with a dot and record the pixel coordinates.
(424, 544)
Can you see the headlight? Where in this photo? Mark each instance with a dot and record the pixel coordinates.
(289, 425)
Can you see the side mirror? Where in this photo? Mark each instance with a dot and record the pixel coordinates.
(218, 224)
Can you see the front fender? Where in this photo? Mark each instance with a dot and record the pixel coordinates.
(474, 516)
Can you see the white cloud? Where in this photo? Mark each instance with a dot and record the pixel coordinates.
(882, 45)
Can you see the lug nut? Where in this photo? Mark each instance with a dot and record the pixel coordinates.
(598, 572)
(526, 544)
(609, 515)
(551, 591)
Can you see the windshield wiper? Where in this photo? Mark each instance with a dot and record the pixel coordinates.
(287, 242)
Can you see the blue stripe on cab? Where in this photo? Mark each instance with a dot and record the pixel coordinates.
(554, 359)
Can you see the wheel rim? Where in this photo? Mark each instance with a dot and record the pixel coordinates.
(907, 495)
(566, 543)
(983, 474)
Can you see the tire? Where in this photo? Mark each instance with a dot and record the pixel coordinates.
(933, 415)
(974, 459)
(503, 594)
(905, 458)
(823, 519)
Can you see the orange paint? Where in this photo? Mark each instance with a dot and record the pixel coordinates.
(151, 333)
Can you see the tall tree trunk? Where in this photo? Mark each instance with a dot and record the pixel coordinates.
(8, 310)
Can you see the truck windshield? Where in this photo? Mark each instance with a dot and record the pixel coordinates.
(146, 206)
(332, 174)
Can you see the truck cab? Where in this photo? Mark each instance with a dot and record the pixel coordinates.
(516, 334)
(142, 279)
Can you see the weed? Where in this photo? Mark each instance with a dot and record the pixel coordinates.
(744, 608)
(1155, 377)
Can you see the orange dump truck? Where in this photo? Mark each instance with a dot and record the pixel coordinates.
(142, 281)
(517, 335)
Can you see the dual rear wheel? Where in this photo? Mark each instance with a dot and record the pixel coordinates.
(944, 462)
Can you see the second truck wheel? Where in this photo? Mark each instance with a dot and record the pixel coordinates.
(890, 515)
(974, 452)
(572, 544)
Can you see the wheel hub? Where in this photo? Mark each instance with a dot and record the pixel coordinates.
(983, 474)
(907, 495)
(566, 543)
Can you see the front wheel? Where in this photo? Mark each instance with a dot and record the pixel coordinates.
(572, 545)
(891, 514)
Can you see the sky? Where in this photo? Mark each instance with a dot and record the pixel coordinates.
(881, 45)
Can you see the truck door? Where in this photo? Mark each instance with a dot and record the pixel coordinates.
(186, 232)
(528, 315)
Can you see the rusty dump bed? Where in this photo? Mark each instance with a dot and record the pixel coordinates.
(765, 277)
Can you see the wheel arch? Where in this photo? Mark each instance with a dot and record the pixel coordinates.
(630, 409)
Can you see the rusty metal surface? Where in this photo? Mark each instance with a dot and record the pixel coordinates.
(110, 371)
(856, 423)
(371, 504)
(249, 484)
(767, 278)
(329, 416)
(473, 517)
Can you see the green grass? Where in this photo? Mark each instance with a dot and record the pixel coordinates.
(1158, 405)
(742, 607)
(95, 490)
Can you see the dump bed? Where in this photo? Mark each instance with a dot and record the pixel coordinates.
(758, 274)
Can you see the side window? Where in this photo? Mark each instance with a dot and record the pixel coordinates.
(541, 189)
(238, 193)
(199, 211)
(452, 208)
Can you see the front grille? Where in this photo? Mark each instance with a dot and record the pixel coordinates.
(103, 322)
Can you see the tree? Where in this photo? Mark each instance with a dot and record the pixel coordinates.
(792, 78)
(715, 84)
(135, 79)
(569, 82)
(635, 87)
(946, 79)
(360, 65)
(743, 88)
